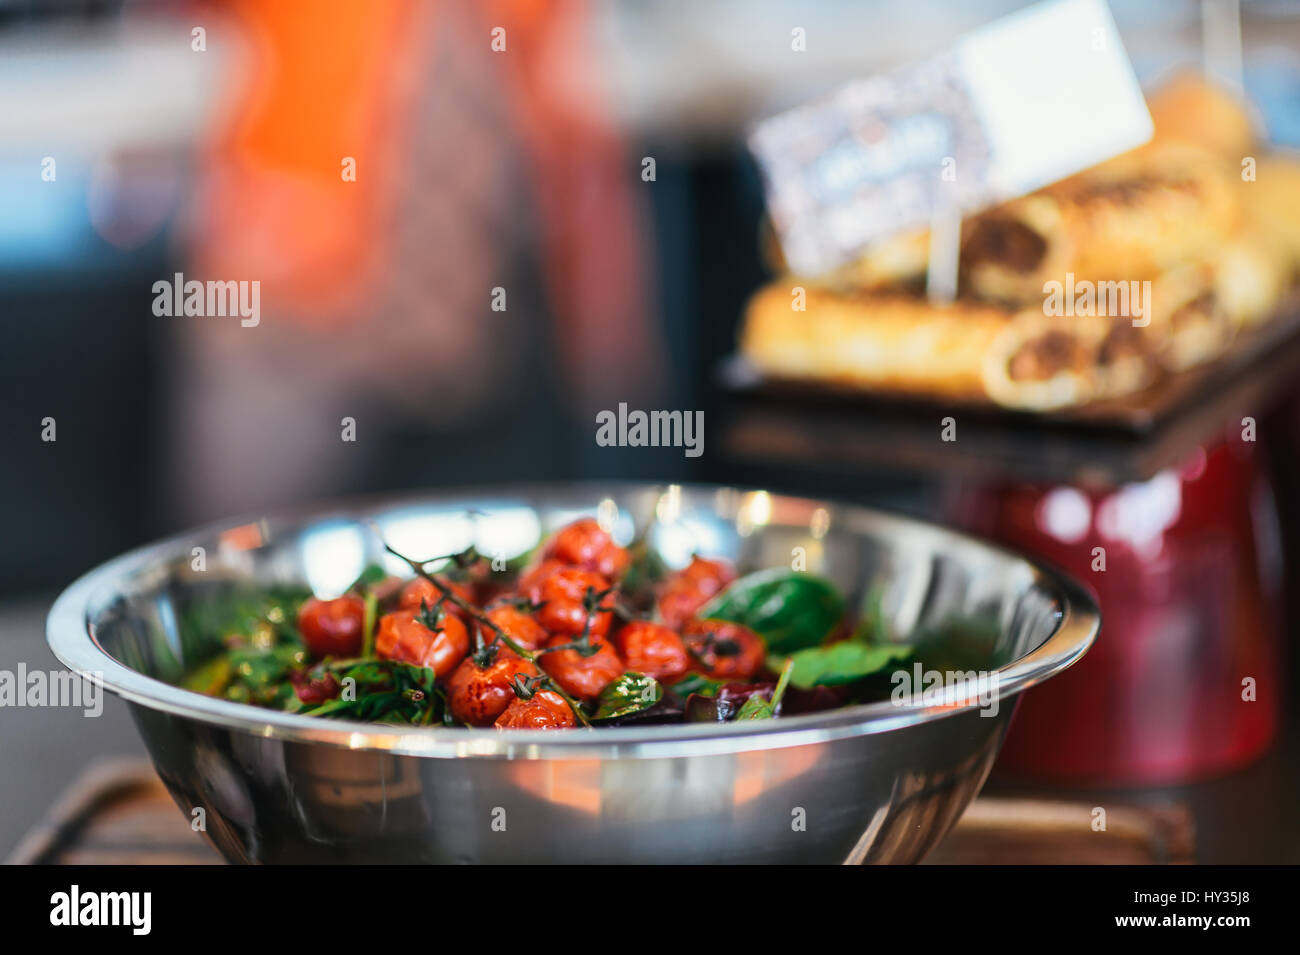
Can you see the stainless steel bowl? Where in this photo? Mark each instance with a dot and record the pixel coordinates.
(871, 783)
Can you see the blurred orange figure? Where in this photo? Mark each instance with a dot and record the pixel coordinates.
(384, 169)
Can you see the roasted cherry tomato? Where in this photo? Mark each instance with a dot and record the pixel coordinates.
(419, 593)
(333, 628)
(579, 676)
(686, 591)
(478, 695)
(521, 627)
(544, 710)
(404, 636)
(562, 596)
(420, 590)
(723, 650)
(530, 582)
(585, 544)
(653, 649)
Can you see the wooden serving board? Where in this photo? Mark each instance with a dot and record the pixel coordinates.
(118, 813)
(1115, 441)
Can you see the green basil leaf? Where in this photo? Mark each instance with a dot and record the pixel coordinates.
(630, 693)
(788, 609)
(836, 663)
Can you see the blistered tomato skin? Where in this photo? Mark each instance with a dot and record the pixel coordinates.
(562, 609)
(714, 574)
(612, 562)
(420, 592)
(579, 543)
(723, 650)
(478, 695)
(586, 545)
(654, 650)
(402, 636)
(530, 584)
(521, 627)
(545, 710)
(579, 676)
(333, 628)
(686, 591)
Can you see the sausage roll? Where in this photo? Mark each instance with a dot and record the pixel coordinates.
(876, 341)
(1130, 219)
(1041, 362)
(1188, 323)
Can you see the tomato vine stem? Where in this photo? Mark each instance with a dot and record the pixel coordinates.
(451, 596)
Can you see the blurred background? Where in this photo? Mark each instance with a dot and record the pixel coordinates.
(475, 170)
(215, 139)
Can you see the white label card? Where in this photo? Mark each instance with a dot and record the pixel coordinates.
(1017, 104)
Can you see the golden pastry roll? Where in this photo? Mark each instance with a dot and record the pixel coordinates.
(1272, 204)
(1201, 131)
(874, 341)
(1189, 108)
(1127, 359)
(893, 262)
(1252, 272)
(1041, 362)
(905, 345)
(1188, 323)
(1130, 219)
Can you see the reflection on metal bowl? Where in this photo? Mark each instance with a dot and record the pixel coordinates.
(876, 782)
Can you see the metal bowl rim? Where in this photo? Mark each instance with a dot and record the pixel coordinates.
(69, 636)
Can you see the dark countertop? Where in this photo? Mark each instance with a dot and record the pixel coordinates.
(45, 749)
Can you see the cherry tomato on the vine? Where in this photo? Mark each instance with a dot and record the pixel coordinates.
(478, 695)
(521, 627)
(690, 588)
(403, 635)
(564, 595)
(723, 650)
(653, 649)
(579, 676)
(544, 710)
(585, 544)
(332, 628)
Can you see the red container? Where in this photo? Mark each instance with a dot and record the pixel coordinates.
(1188, 602)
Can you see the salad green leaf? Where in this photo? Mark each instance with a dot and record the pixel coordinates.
(381, 691)
(789, 609)
(838, 663)
(697, 683)
(757, 708)
(630, 693)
